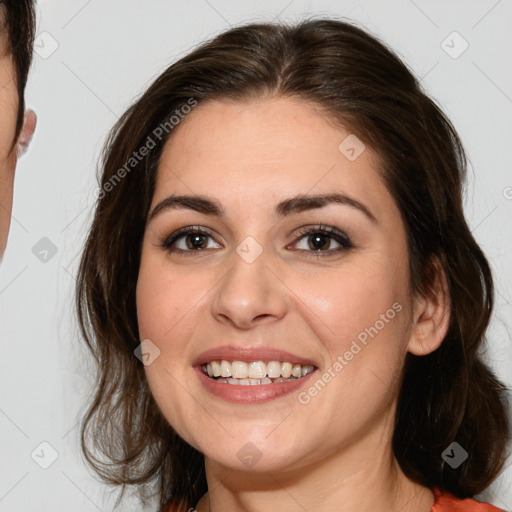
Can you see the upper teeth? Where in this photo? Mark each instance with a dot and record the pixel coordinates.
(256, 369)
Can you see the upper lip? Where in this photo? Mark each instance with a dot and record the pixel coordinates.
(248, 354)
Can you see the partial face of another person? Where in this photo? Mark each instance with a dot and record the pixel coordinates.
(9, 104)
(328, 285)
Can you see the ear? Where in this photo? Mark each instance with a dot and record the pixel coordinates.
(431, 318)
(27, 131)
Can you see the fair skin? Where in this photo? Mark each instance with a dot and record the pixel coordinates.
(333, 454)
(9, 101)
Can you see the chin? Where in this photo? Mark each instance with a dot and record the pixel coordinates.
(254, 451)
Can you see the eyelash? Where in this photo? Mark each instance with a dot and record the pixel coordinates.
(333, 233)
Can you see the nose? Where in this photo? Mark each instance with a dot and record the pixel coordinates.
(250, 293)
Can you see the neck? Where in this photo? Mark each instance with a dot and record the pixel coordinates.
(364, 476)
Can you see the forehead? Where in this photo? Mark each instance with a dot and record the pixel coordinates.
(261, 148)
(263, 128)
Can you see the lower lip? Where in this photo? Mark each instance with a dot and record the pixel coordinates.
(252, 394)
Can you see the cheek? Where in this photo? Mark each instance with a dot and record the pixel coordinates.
(353, 300)
(162, 303)
(361, 316)
(166, 302)
(8, 110)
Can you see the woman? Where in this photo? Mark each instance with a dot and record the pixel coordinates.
(281, 291)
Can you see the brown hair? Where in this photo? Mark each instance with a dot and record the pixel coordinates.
(449, 395)
(20, 21)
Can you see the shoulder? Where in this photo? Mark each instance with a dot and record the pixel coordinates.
(446, 502)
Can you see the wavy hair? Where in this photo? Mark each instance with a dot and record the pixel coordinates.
(446, 396)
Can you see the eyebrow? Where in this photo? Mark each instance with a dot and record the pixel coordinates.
(296, 204)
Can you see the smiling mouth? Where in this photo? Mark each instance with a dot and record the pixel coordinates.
(255, 373)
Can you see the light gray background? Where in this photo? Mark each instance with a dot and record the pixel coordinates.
(108, 52)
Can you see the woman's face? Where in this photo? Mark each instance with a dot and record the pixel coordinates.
(8, 114)
(253, 284)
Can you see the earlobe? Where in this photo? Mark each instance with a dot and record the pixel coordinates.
(431, 318)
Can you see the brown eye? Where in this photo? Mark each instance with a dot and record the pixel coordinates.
(189, 240)
(196, 241)
(323, 240)
(319, 241)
